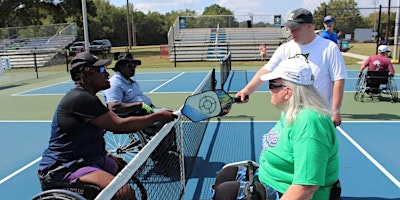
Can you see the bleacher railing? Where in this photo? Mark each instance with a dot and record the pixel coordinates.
(222, 21)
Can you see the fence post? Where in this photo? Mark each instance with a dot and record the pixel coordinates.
(35, 63)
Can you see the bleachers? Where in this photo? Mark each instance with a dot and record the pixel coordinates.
(22, 52)
(214, 43)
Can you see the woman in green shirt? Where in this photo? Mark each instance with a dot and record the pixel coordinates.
(299, 159)
(300, 153)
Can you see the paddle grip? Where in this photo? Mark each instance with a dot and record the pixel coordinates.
(238, 99)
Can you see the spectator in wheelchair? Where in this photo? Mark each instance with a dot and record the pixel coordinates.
(125, 94)
(299, 157)
(76, 151)
(126, 98)
(379, 62)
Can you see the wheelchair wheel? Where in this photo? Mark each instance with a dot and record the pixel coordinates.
(359, 89)
(392, 89)
(58, 194)
(125, 146)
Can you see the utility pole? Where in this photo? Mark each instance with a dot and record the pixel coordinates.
(128, 25)
(85, 26)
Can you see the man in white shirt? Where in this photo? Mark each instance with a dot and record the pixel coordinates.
(325, 59)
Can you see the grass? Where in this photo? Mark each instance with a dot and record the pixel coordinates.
(150, 57)
(152, 62)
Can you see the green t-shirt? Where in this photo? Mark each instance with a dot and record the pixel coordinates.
(305, 153)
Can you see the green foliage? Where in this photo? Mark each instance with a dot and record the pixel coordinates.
(346, 14)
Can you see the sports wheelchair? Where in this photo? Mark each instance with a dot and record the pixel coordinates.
(127, 145)
(239, 180)
(374, 84)
(81, 191)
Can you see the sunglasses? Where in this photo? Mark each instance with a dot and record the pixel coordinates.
(273, 85)
(131, 65)
(328, 22)
(100, 69)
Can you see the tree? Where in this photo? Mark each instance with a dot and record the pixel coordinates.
(345, 12)
(225, 19)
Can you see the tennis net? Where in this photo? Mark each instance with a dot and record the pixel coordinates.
(225, 68)
(166, 162)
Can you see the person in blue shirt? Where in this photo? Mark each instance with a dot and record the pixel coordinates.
(328, 33)
(125, 94)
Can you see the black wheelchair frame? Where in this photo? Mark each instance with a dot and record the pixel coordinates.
(370, 83)
(83, 191)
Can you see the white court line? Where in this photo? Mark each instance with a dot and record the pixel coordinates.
(21, 93)
(366, 154)
(20, 170)
(167, 82)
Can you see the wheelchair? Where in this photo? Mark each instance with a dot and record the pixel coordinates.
(374, 84)
(127, 145)
(240, 181)
(82, 191)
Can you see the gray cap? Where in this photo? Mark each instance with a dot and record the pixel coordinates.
(298, 17)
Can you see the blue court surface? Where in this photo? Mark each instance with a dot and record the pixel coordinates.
(369, 161)
(369, 165)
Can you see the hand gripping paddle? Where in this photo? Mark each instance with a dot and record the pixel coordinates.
(227, 101)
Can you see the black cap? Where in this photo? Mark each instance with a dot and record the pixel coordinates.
(297, 17)
(85, 59)
(88, 60)
(126, 58)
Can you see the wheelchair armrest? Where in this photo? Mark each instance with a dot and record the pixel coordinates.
(242, 163)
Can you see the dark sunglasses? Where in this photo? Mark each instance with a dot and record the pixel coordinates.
(131, 65)
(328, 22)
(273, 85)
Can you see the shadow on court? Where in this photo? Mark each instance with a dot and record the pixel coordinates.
(377, 116)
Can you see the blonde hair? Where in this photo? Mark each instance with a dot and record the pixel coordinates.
(304, 96)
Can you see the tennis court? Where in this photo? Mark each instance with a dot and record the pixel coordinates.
(369, 168)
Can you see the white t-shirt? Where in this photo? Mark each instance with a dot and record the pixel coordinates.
(325, 59)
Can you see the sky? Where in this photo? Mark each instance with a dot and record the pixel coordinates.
(240, 7)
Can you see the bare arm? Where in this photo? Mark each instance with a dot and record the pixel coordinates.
(253, 85)
(299, 192)
(338, 88)
(110, 121)
(361, 70)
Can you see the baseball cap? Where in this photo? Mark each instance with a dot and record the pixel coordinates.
(126, 58)
(296, 70)
(298, 17)
(329, 18)
(383, 48)
(85, 59)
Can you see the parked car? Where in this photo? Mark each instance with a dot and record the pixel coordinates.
(100, 46)
(76, 47)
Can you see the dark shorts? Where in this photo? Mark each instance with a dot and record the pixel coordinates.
(105, 164)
